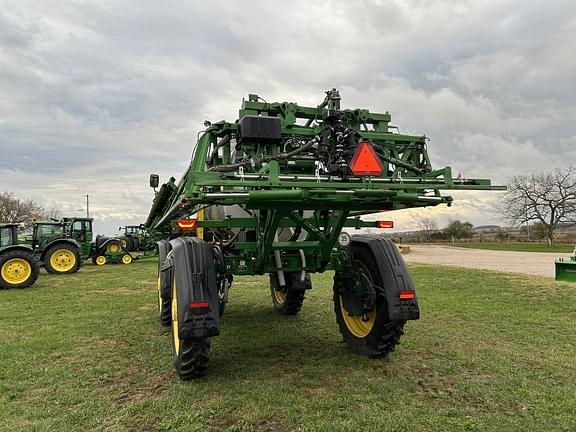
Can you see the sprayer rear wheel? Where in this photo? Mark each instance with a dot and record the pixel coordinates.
(190, 356)
(370, 333)
(285, 300)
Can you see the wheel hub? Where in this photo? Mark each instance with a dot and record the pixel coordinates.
(16, 271)
(357, 293)
(62, 260)
(358, 300)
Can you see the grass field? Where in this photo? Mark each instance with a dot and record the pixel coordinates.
(517, 247)
(492, 352)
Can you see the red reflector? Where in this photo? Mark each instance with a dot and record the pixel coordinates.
(197, 305)
(186, 224)
(407, 295)
(365, 161)
(385, 224)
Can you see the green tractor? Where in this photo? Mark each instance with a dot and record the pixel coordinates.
(270, 194)
(62, 245)
(136, 239)
(18, 268)
(109, 250)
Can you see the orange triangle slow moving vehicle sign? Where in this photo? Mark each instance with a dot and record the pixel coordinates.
(365, 161)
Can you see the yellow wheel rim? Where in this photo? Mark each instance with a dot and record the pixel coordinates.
(113, 248)
(123, 243)
(100, 260)
(16, 271)
(175, 328)
(159, 295)
(279, 296)
(63, 260)
(126, 259)
(359, 325)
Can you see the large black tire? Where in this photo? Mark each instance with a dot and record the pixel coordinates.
(190, 356)
(372, 334)
(129, 244)
(62, 258)
(286, 301)
(18, 269)
(164, 311)
(164, 277)
(164, 305)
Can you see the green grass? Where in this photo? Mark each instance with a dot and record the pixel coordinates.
(517, 247)
(492, 352)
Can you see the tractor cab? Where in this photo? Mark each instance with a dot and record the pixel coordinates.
(132, 230)
(80, 229)
(8, 235)
(45, 232)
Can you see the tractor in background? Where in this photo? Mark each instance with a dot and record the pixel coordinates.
(62, 245)
(109, 250)
(18, 267)
(136, 239)
(270, 194)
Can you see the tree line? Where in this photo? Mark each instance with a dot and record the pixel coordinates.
(539, 203)
(15, 210)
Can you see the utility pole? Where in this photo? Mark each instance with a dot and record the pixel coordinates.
(87, 206)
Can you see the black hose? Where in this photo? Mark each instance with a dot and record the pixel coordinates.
(232, 240)
(229, 167)
(292, 153)
(222, 143)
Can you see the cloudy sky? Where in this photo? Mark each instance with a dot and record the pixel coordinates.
(95, 95)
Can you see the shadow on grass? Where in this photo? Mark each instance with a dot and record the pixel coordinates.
(256, 343)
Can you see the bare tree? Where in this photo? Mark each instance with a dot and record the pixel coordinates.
(427, 226)
(13, 210)
(548, 198)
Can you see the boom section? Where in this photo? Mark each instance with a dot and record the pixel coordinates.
(311, 169)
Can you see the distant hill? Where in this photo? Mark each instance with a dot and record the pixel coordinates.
(487, 227)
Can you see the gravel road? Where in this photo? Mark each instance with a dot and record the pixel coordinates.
(531, 263)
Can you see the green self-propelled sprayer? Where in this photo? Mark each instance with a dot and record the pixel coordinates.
(271, 194)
